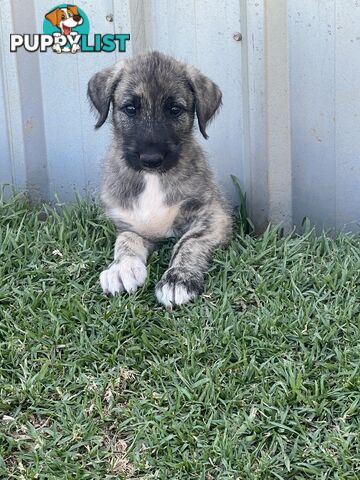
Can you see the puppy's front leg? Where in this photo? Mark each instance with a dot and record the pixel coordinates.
(184, 278)
(128, 270)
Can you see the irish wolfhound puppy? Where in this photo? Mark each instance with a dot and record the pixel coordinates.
(157, 182)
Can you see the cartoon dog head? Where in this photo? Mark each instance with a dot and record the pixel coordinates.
(65, 18)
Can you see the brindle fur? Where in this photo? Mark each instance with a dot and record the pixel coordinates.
(187, 202)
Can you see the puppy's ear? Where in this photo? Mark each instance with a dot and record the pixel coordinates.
(101, 88)
(53, 16)
(207, 97)
(73, 9)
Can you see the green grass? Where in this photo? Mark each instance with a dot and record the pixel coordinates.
(257, 379)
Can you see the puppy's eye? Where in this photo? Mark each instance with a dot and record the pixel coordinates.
(175, 111)
(63, 17)
(130, 110)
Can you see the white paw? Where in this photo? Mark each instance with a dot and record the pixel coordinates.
(110, 280)
(170, 295)
(129, 273)
(75, 48)
(178, 286)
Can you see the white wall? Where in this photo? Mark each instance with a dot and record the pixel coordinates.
(325, 107)
(289, 127)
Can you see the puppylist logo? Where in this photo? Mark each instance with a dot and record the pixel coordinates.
(67, 30)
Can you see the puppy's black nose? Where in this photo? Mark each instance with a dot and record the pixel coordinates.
(77, 18)
(151, 160)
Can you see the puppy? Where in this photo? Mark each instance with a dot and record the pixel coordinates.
(65, 19)
(157, 182)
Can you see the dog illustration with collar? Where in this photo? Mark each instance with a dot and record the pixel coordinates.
(65, 19)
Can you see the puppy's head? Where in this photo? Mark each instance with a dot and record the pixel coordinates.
(154, 99)
(65, 18)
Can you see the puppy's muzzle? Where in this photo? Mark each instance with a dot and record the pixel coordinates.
(151, 160)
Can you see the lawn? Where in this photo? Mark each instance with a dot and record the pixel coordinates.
(257, 379)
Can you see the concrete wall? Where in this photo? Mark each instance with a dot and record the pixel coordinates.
(290, 121)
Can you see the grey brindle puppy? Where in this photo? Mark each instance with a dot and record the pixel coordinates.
(157, 182)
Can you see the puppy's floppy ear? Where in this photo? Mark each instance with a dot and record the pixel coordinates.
(53, 16)
(207, 97)
(101, 88)
(73, 9)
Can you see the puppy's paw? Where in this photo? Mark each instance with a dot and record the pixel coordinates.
(75, 48)
(57, 48)
(110, 280)
(177, 286)
(128, 274)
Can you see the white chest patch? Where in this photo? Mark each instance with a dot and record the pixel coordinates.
(149, 216)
